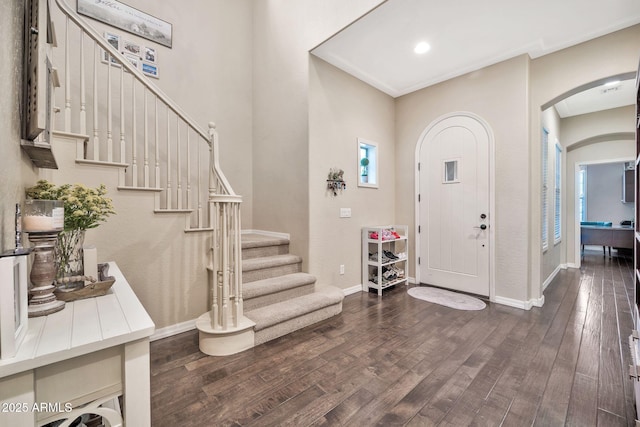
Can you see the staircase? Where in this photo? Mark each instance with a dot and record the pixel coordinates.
(278, 297)
(118, 119)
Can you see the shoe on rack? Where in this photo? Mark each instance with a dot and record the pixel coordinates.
(387, 235)
(390, 255)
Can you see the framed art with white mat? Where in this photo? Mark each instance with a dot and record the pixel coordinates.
(13, 304)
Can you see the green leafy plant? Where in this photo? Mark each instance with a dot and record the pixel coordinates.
(84, 207)
(364, 162)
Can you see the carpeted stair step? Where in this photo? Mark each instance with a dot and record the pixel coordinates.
(276, 289)
(267, 267)
(259, 245)
(282, 318)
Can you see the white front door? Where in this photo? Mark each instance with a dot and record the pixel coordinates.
(453, 209)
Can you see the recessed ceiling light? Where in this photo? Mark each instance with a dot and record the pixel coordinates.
(421, 48)
(612, 83)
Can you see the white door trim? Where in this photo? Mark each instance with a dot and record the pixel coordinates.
(492, 201)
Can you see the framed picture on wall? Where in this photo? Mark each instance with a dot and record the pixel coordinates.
(127, 18)
(150, 54)
(150, 70)
(13, 304)
(131, 48)
(113, 40)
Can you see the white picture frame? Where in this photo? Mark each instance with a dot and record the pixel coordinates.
(13, 304)
(133, 60)
(150, 55)
(149, 69)
(113, 40)
(131, 48)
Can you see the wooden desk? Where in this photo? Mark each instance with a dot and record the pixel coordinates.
(617, 237)
(87, 354)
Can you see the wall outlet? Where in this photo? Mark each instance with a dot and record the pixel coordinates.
(345, 212)
(341, 268)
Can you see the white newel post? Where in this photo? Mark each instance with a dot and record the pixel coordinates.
(224, 329)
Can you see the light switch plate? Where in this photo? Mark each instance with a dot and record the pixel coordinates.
(345, 212)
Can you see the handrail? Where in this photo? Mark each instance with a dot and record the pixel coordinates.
(97, 38)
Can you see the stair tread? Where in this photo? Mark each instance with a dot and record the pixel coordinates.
(273, 314)
(254, 240)
(276, 284)
(269, 261)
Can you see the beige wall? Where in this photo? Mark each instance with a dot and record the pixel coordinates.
(592, 138)
(342, 109)
(498, 94)
(552, 256)
(554, 75)
(284, 32)
(15, 166)
(206, 72)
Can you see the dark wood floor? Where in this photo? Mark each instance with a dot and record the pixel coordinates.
(403, 361)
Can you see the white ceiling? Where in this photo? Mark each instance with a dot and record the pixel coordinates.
(465, 35)
(598, 98)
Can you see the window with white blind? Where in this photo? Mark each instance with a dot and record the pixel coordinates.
(557, 202)
(582, 193)
(545, 203)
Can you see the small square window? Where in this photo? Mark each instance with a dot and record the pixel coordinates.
(367, 164)
(450, 171)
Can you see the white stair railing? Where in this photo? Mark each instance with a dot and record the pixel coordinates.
(158, 148)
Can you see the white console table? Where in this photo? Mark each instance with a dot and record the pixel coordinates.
(74, 361)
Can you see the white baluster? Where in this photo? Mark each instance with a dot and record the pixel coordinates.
(122, 142)
(83, 90)
(179, 163)
(169, 204)
(189, 198)
(216, 276)
(237, 277)
(134, 136)
(67, 80)
(199, 188)
(96, 138)
(225, 268)
(157, 146)
(146, 141)
(109, 114)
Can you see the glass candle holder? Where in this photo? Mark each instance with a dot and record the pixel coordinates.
(43, 215)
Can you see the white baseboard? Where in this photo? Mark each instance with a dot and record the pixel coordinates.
(176, 329)
(268, 233)
(553, 276)
(352, 290)
(524, 305)
(572, 265)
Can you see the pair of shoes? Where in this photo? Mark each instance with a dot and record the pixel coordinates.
(373, 235)
(401, 255)
(389, 273)
(390, 255)
(394, 271)
(384, 258)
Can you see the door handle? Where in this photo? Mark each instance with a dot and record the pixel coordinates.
(482, 227)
